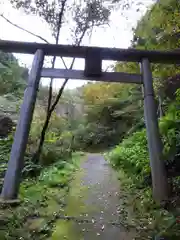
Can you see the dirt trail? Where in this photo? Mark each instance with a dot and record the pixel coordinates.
(94, 204)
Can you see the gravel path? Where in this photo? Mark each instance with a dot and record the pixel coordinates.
(94, 197)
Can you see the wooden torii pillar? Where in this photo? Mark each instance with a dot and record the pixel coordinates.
(158, 173)
(13, 174)
(93, 62)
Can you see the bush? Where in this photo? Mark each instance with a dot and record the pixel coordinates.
(53, 177)
(56, 148)
(58, 141)
(93, 136)
(170, 128)
(132, 155)
(60, 173)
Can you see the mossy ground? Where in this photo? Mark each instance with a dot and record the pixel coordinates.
(75, 206)
(58, 191)
(41, 200)
(147, 217)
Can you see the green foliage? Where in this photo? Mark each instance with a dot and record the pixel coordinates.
(12, 76)
(170, 127)
(158, 29)
(5, 146)
(132, 155)
(30, 169)
(110, 110)
(143, 213)
(41, 200)
(93, 136)
(59, 174)
(56, 126)
(56, 148)
(131, 159)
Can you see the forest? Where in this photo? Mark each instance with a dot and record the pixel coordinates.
(98, 117)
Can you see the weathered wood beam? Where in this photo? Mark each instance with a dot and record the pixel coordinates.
(79, 74)
(93, 63)
(158, 172)
(115, 54)
(16, 161)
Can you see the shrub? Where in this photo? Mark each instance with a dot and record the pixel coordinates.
(58, 141)
(56, 148)
(93, 136)
(132, 155)
(60, 173)
(170, 127)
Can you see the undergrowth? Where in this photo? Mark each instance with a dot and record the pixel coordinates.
(41, 200)
(132, 156)
(130, 159)
(140, 211)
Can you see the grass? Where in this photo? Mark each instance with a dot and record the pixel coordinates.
(139, 210)
(42, 199)
(75, 207)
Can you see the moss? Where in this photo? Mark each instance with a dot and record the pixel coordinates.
(65, 230)
(34, 217)
(75, 207)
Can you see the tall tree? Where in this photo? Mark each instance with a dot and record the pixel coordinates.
(84, 16)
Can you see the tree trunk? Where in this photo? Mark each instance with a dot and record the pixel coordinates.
(50, 108)
(42, 138)
(161, 112)
(46, 123)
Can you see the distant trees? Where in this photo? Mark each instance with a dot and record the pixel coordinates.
(12, 76)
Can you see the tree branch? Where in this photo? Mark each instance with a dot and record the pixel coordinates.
(31, 33)
(54, 58)
(23, 29)
(61, 90)
(66, 80)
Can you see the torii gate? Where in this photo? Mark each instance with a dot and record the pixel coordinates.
(93, 71)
